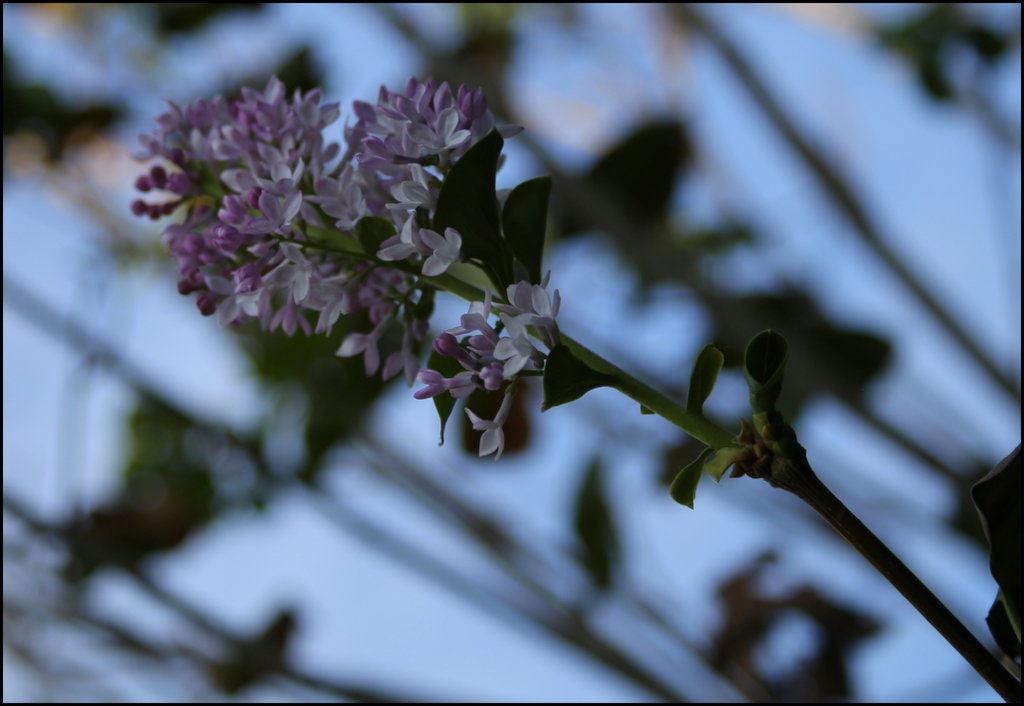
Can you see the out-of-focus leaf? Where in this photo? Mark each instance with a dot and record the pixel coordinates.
(35, 108)
(372, 231)
(764, 363)
(928, 39)
(183, 17)
(831, 359)
(524, 220)
(703, 377)
(567, 378)
(469, 204)
(641, 171)
(595, 526)
(684, 488)
(297, 70)
(998, 498)
(751, 615)
(1002, 628)
(337, 390)
(251, 660)
(168, 492)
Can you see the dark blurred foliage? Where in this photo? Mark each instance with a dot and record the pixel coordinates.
(36, 108)
(181, 474)
(253, 658)
(169, 492)
(998, 497)
(596, 526)
(185, 17)
(930, 39)
(751, 615)
(336, 391)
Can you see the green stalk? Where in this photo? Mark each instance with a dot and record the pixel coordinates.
(794, 474)
(790, 471)
(693, 424)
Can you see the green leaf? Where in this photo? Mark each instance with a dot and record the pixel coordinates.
(372, 231)
(684, 488)
(997, 497)
(567, 378)
(444, 403)
(645, 410)
(641, 171)
(724, 457)
(468, 204)
(595, 526)
(184, 17)
(524, 221)
(1002, 629)
(764, 362)
(702, 380)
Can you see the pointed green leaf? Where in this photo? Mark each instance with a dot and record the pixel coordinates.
(567, 378)
(645, 410)
(997, 497)
(764, 362)
(1002, 628)
(641, 172)
(724, 457)
(444, 403)
(372, 231)
(684, 488)
(595, 526)
(524, 220)
(702, 380)
(468, 204)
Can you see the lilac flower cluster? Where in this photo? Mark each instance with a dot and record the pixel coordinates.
(268, 210)
(490, 359)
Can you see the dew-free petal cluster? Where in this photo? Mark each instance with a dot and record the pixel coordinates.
(266, 207)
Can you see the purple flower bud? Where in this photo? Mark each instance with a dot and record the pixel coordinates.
(140, 207)
(177, 156)
(207, 303)
(446, 344)
(252, 197)
(248, 277)
(168, 208)
(492, 376)
(143, 183)
(232, 210)
(158, 176)
(155, 211)
(186, 287)
(179, 183)
(227, 237)
(481, 345)
(434, 382)
(194, 243)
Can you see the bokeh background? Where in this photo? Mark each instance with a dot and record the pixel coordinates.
(194, 514)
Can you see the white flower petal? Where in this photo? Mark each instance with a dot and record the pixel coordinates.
(491, 441)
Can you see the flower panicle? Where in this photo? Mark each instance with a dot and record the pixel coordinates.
(262, 195)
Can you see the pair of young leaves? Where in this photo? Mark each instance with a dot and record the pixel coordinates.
(764, 362)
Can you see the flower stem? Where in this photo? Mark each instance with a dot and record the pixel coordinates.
(794, 474)
(695, 425)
